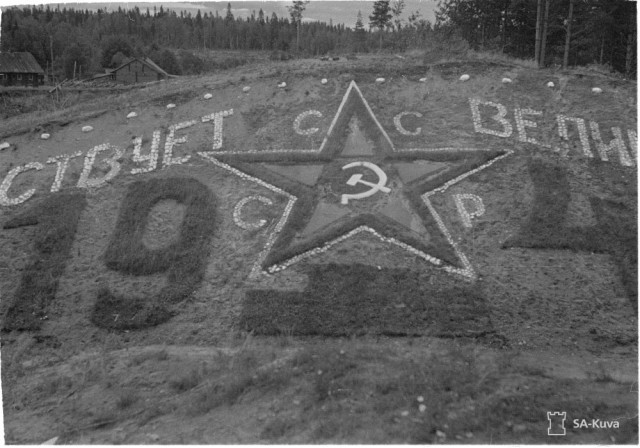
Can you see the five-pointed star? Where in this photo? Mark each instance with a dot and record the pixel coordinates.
(358, 182)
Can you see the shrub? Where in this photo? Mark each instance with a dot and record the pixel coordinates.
(112, 46)
(280, 55)
(190, 63)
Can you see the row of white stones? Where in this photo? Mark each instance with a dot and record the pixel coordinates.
(329, 244)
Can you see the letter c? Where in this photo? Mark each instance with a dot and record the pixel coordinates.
(237, 212)
(401, 129)
(302, 116)
(6, 184)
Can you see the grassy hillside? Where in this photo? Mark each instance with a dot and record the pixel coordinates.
(136, 308)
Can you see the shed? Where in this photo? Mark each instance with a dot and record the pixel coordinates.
(137, 70)
(20, 69)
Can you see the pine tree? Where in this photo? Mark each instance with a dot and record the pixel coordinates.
(360, 35)
(229, 17)
(295, 11)
(359, 23)
(381, 16)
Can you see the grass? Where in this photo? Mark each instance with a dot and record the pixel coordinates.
(157, 355)
(188, 380)
(56, 219)
(183, 261)
(232, 383)
(51, 386)
(358, 299)
(348, 390)
(225, 63)
(16, 103)
(225, 393)
(367, 394)
(494, 56)
(615, 232)
(126, 400)
(277, 428)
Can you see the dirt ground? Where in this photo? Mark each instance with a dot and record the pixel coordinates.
(563, 326)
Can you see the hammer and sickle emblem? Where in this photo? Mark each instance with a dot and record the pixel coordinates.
(357, 179)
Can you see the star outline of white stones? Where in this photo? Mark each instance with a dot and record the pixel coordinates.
(467, 272)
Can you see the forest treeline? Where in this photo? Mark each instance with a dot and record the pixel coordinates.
(598, 31)
(70, 42)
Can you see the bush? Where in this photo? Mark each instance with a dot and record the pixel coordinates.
(118, 59)
(444, 44)
(225, 63)
(76, 59)
(113, 45)
(168, 62)
(190, 63)
(279, 55)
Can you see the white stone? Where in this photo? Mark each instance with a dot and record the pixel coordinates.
(440, 434)
(324, 81)
(208, 96)
(404, 413)
(596, 90)
(506, 81)
(380, 80)
(423, 79)
(246, 89)
(45, 136)
(420, 399)
(282, 85)
(464, 77)
(87, 128)
(422, 408)
(171, 106)
(50, 441)
(132, 115)
(550, 84)
(4, 145)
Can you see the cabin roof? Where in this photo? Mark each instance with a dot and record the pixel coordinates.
(22, 62)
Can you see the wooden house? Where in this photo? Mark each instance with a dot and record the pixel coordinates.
(137, 70)
(20, 69)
